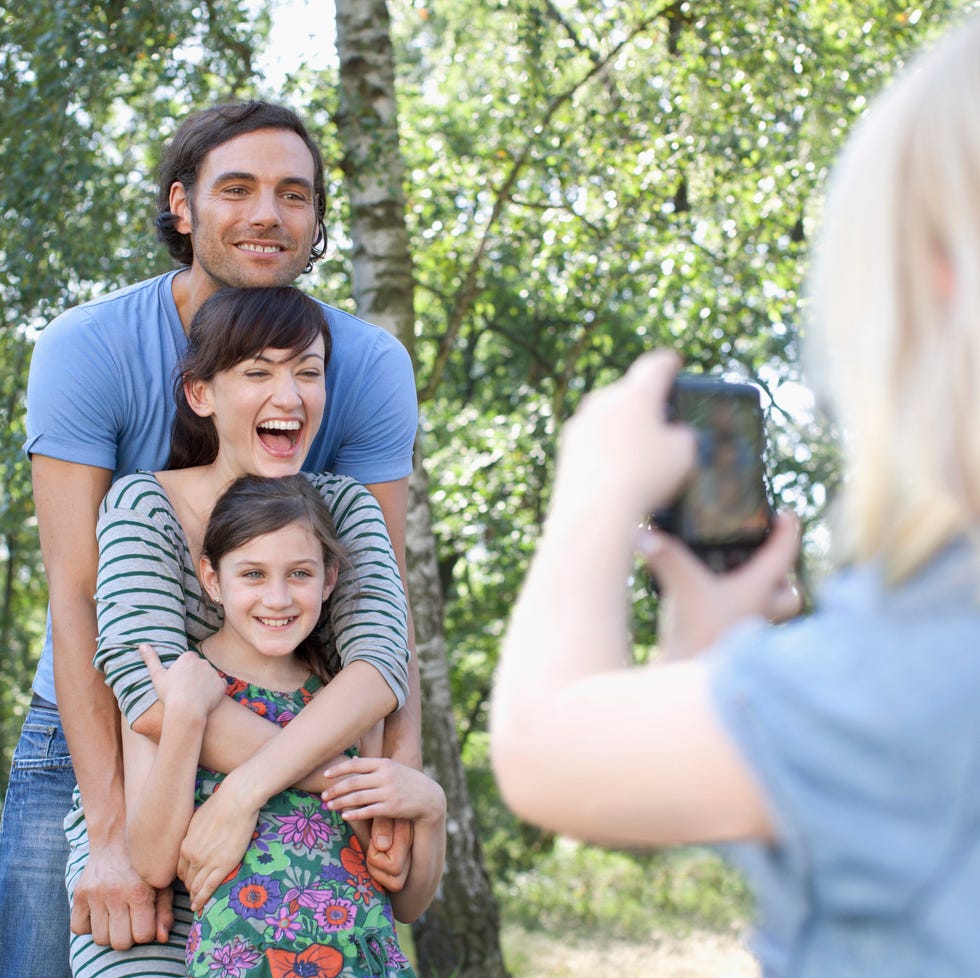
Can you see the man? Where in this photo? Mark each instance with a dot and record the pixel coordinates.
(241, 203)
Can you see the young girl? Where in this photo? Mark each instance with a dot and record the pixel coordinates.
(302, 901)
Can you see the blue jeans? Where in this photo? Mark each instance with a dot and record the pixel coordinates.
(33, 851)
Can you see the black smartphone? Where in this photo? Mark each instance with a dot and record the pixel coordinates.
(723, 513)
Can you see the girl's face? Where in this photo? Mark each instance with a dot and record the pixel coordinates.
(272, 589)
(265, 409)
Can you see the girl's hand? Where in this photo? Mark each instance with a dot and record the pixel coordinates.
(619, 450)
(190, 681)
(697, 605)
(367, 787)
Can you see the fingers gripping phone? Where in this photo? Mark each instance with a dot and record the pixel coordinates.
(723, 513)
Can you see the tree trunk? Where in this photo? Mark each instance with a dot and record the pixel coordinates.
(459, 934)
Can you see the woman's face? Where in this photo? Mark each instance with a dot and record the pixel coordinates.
(265, 409)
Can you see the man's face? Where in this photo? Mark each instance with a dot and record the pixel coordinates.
(252, 218)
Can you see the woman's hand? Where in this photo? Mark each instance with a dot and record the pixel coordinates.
(216, 840)
(368, 787)
(697, 604)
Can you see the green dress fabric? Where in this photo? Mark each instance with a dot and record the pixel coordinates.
(302, 903)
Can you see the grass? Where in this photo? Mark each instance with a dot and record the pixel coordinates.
(583, 911)
(577, 888)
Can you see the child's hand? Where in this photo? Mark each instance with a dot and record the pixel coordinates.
(190, 681)
(367, 787)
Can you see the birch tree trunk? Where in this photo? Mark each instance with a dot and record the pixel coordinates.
(459, 934)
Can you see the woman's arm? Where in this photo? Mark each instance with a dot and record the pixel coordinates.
(219, 832)
(148, 593)
(160, 778)
(372, 787)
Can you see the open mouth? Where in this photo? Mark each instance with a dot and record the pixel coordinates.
(279, 437)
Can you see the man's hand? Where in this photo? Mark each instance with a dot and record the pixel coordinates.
(115, 905)
(389, 856)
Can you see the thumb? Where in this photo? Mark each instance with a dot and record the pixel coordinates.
(152, 660)
(381, 833)
(671, 563)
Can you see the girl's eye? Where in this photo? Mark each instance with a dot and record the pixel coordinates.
(257, 374)
(310, 374)
(301, 573)
(252, 575)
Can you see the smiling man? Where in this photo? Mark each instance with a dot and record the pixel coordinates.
(241, 203)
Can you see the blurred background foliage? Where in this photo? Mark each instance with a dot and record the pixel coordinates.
(587, 179)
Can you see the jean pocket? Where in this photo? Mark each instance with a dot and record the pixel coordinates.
(42, 743)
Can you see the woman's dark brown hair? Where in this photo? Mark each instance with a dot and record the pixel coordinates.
(231, 326)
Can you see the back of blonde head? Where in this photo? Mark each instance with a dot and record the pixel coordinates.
(895, 344)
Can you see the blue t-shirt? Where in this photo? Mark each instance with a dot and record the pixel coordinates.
(862, 725)
(100, 392)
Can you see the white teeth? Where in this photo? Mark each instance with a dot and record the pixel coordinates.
(277, 622)
(261, 249)
(281, 425)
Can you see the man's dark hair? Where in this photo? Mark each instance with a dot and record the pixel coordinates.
(200, 133)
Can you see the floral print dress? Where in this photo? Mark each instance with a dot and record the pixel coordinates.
(302, 903)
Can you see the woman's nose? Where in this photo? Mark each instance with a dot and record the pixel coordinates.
(286, 393)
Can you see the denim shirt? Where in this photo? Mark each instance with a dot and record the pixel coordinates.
(862, 727)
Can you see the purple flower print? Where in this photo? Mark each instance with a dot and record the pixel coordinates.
(233, 960)
(306, 827)
(285, 923)
(256, 896)
(335, 914)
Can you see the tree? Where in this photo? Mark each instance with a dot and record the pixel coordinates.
(458, 935)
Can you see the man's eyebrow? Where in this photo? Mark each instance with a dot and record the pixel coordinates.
(243, 175)
(233, 175)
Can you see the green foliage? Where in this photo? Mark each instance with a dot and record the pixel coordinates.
(587, 180)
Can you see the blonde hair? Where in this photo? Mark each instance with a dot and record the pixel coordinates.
(895, 292)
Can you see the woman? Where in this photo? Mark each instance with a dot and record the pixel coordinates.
(839, 752)
(250, 399)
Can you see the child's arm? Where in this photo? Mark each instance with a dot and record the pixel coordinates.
(160, 778)
(367, 787)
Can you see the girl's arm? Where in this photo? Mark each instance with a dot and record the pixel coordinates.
(581, 741)
(370, 787)
(160, 778)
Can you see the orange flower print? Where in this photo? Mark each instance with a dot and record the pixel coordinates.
(317, 961)
(352, 859)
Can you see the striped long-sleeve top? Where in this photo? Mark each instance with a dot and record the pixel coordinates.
(148, 590)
